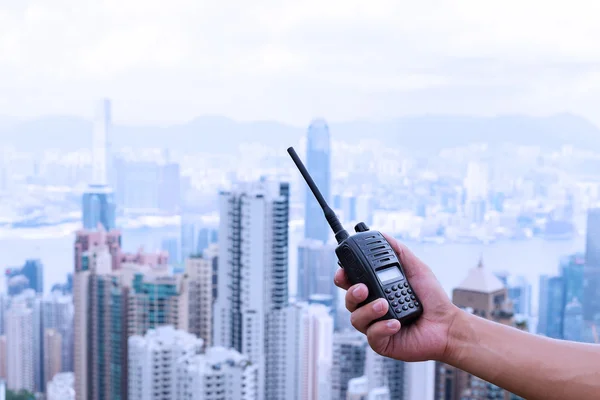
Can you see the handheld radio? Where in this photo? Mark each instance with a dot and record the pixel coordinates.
(368, 258)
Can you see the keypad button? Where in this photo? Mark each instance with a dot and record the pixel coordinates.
(409, 291)
(395, 304)
(416, 304)
(411, 305)
(390, 297)
(394, 287)
(401, 301)
(398, 294)
(407, 298)
(404, 293)
(388, 290)
(405, 307)
(398, 310)
(405, 284)
(412, 296)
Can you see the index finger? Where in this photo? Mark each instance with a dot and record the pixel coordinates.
(341, 280)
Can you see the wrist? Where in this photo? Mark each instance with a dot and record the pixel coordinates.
(458, 337)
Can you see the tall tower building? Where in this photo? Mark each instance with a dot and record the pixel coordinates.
(573, 321)
(318, 164)
(386, 373)
(57, 314)
(551, 306)
(33, 274)
(19, 347)
(349, 352)
(3, 358)
(153, 362)
(52, 354)
(98, 202)
(484, 295)
(591, 286)
(201, 271)
(317, 264)
(253, 264)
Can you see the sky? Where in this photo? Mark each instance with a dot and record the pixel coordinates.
(167, 62)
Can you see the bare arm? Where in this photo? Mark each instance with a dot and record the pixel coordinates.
(530, 366)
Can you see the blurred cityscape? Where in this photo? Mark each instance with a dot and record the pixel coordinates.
(177, 273)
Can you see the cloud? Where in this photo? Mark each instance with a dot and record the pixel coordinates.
(290, 60)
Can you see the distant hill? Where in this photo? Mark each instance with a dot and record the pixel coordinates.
(219, 134)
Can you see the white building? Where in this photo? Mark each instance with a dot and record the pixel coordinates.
(358, 389)
(253, 269)
(220, 374)
(2, 390)
(153, 362)
(19, 343)
(384, 372)
(61, 387)
(317, 343)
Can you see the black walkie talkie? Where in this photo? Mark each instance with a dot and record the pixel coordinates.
(368, 258)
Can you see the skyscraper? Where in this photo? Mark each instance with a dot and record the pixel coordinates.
(253, 261)
(484, 295)
(386, 373)
(19, 347)
(57, 314)
(52, 354)
(32, 271)
(317, 353)
(153, 360)
(573, 321)
(317, 264)
(318, 164)
(591, 286)
(3, 358)
(98, 203)
(202, 295)
(551, 306)
(349, 352)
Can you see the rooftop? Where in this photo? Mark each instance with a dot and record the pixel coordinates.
(481, 280)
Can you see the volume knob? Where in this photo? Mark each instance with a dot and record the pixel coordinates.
(361, 227)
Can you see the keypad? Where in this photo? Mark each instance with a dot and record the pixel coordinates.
(401, 298)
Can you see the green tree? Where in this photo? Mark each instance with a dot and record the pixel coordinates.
(20, 395)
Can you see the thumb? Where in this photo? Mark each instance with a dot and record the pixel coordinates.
(380, 335)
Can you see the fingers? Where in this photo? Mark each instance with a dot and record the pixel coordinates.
(355, 295)
(341, 280)
(380, 335)
(362, 317)
(411, 263)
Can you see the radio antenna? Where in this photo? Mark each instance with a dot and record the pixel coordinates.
(332, 219)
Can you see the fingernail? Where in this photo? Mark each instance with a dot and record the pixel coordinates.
(392, 324)
(357, 291)
(378, 306)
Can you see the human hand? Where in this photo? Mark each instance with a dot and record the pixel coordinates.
(424, 339)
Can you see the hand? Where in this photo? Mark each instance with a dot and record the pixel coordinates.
(424, 339)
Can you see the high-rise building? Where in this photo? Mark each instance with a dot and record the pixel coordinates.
(317, 264)
(19, 347)
(318, 353)
(52, 354)
(384, 372)
(359, 389)
(573, 321)
(117, 295)
(591, 285)
(201, 271)
(3, 358)
(64, 288)
(29, 276)
(253, 264)
(318, 164)
(61, 387)
(219, 374)
(57, 314)
(3, 306)
(98, 203)
(196, 236)
(153, 358)
(519, 292)
(364, 208)
(349, 352)
(484, 295)
(551, 307)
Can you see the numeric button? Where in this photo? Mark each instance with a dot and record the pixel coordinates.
(388, 290)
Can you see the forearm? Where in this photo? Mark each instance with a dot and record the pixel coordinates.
(530, 366)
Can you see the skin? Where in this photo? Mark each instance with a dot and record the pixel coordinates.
(533, 367)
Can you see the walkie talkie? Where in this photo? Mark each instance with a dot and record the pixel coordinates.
(368, 258)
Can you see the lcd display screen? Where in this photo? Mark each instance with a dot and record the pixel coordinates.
(389, 274)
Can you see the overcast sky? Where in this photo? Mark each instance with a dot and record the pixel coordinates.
(168, 61)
